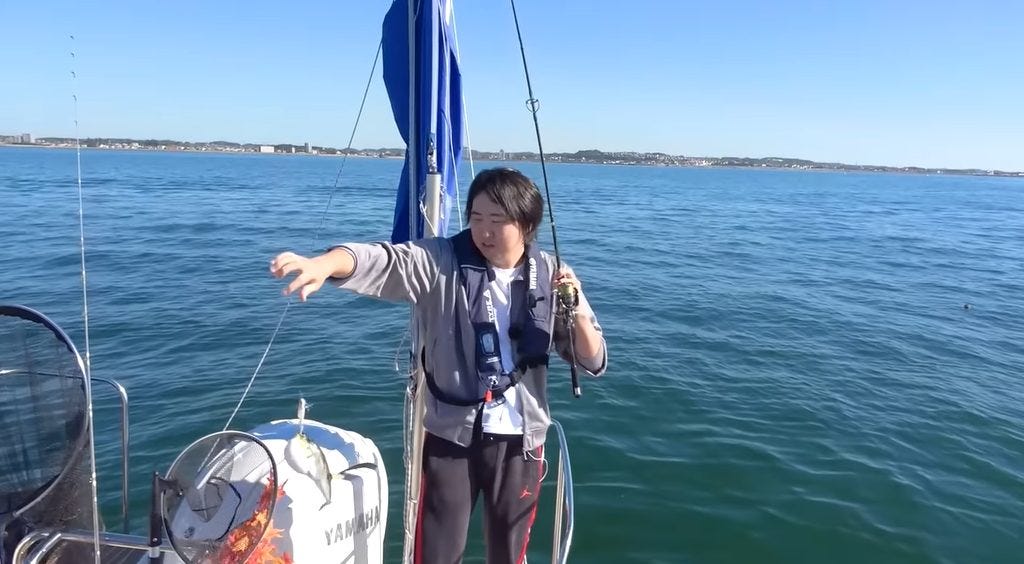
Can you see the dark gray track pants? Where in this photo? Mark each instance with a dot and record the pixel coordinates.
(454, 477)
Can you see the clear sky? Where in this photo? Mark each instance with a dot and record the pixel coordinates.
(904, 82)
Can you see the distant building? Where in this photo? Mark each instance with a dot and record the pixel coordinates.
(25, 138)
(308, 150)
(266, 149)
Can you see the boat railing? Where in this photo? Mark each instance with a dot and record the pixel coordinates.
(122, 395)
(564, 503)
(36, 546)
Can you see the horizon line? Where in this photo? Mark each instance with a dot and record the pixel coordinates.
(823, 164)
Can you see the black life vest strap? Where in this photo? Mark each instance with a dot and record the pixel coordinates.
(498, 393)
(514, 378)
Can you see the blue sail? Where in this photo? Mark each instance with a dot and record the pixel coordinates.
(436, 104)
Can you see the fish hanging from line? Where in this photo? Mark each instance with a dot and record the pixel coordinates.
(307, 458)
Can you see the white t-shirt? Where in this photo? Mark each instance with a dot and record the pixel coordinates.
(504, 416)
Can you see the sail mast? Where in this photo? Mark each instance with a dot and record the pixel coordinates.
(411, 152)
(424, 85)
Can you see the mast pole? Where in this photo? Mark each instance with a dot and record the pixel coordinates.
(413, 432)
(411, 154)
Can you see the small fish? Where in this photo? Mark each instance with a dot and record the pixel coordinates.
(307, 458)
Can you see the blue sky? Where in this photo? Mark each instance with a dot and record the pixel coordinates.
(898, 83)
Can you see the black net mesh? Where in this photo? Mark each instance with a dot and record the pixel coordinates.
(223, 496)
(45, 467)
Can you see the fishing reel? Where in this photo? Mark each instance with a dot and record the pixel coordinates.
(568, 298)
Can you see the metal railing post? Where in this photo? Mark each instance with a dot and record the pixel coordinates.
(564, 503)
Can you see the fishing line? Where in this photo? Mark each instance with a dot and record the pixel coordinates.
(568, 298)
(87, 364)
(316, 236)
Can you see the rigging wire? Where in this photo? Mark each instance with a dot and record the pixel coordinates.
(316, 235)
(465, 120)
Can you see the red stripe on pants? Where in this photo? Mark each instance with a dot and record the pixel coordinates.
(536, 502)
(418, 551)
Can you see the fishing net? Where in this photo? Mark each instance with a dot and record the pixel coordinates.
(45, 462)
(221, 497)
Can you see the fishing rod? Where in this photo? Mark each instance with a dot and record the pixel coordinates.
(87, 361)
(568, 298)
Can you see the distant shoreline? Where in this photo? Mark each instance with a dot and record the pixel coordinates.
(579, 157)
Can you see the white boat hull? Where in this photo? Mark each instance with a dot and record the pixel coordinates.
(317, 518)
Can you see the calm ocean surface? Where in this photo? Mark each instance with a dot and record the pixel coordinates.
(793, 376)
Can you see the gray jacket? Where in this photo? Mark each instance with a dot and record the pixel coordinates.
(425, 273)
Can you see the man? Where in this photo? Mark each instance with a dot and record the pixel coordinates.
(485, 303)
